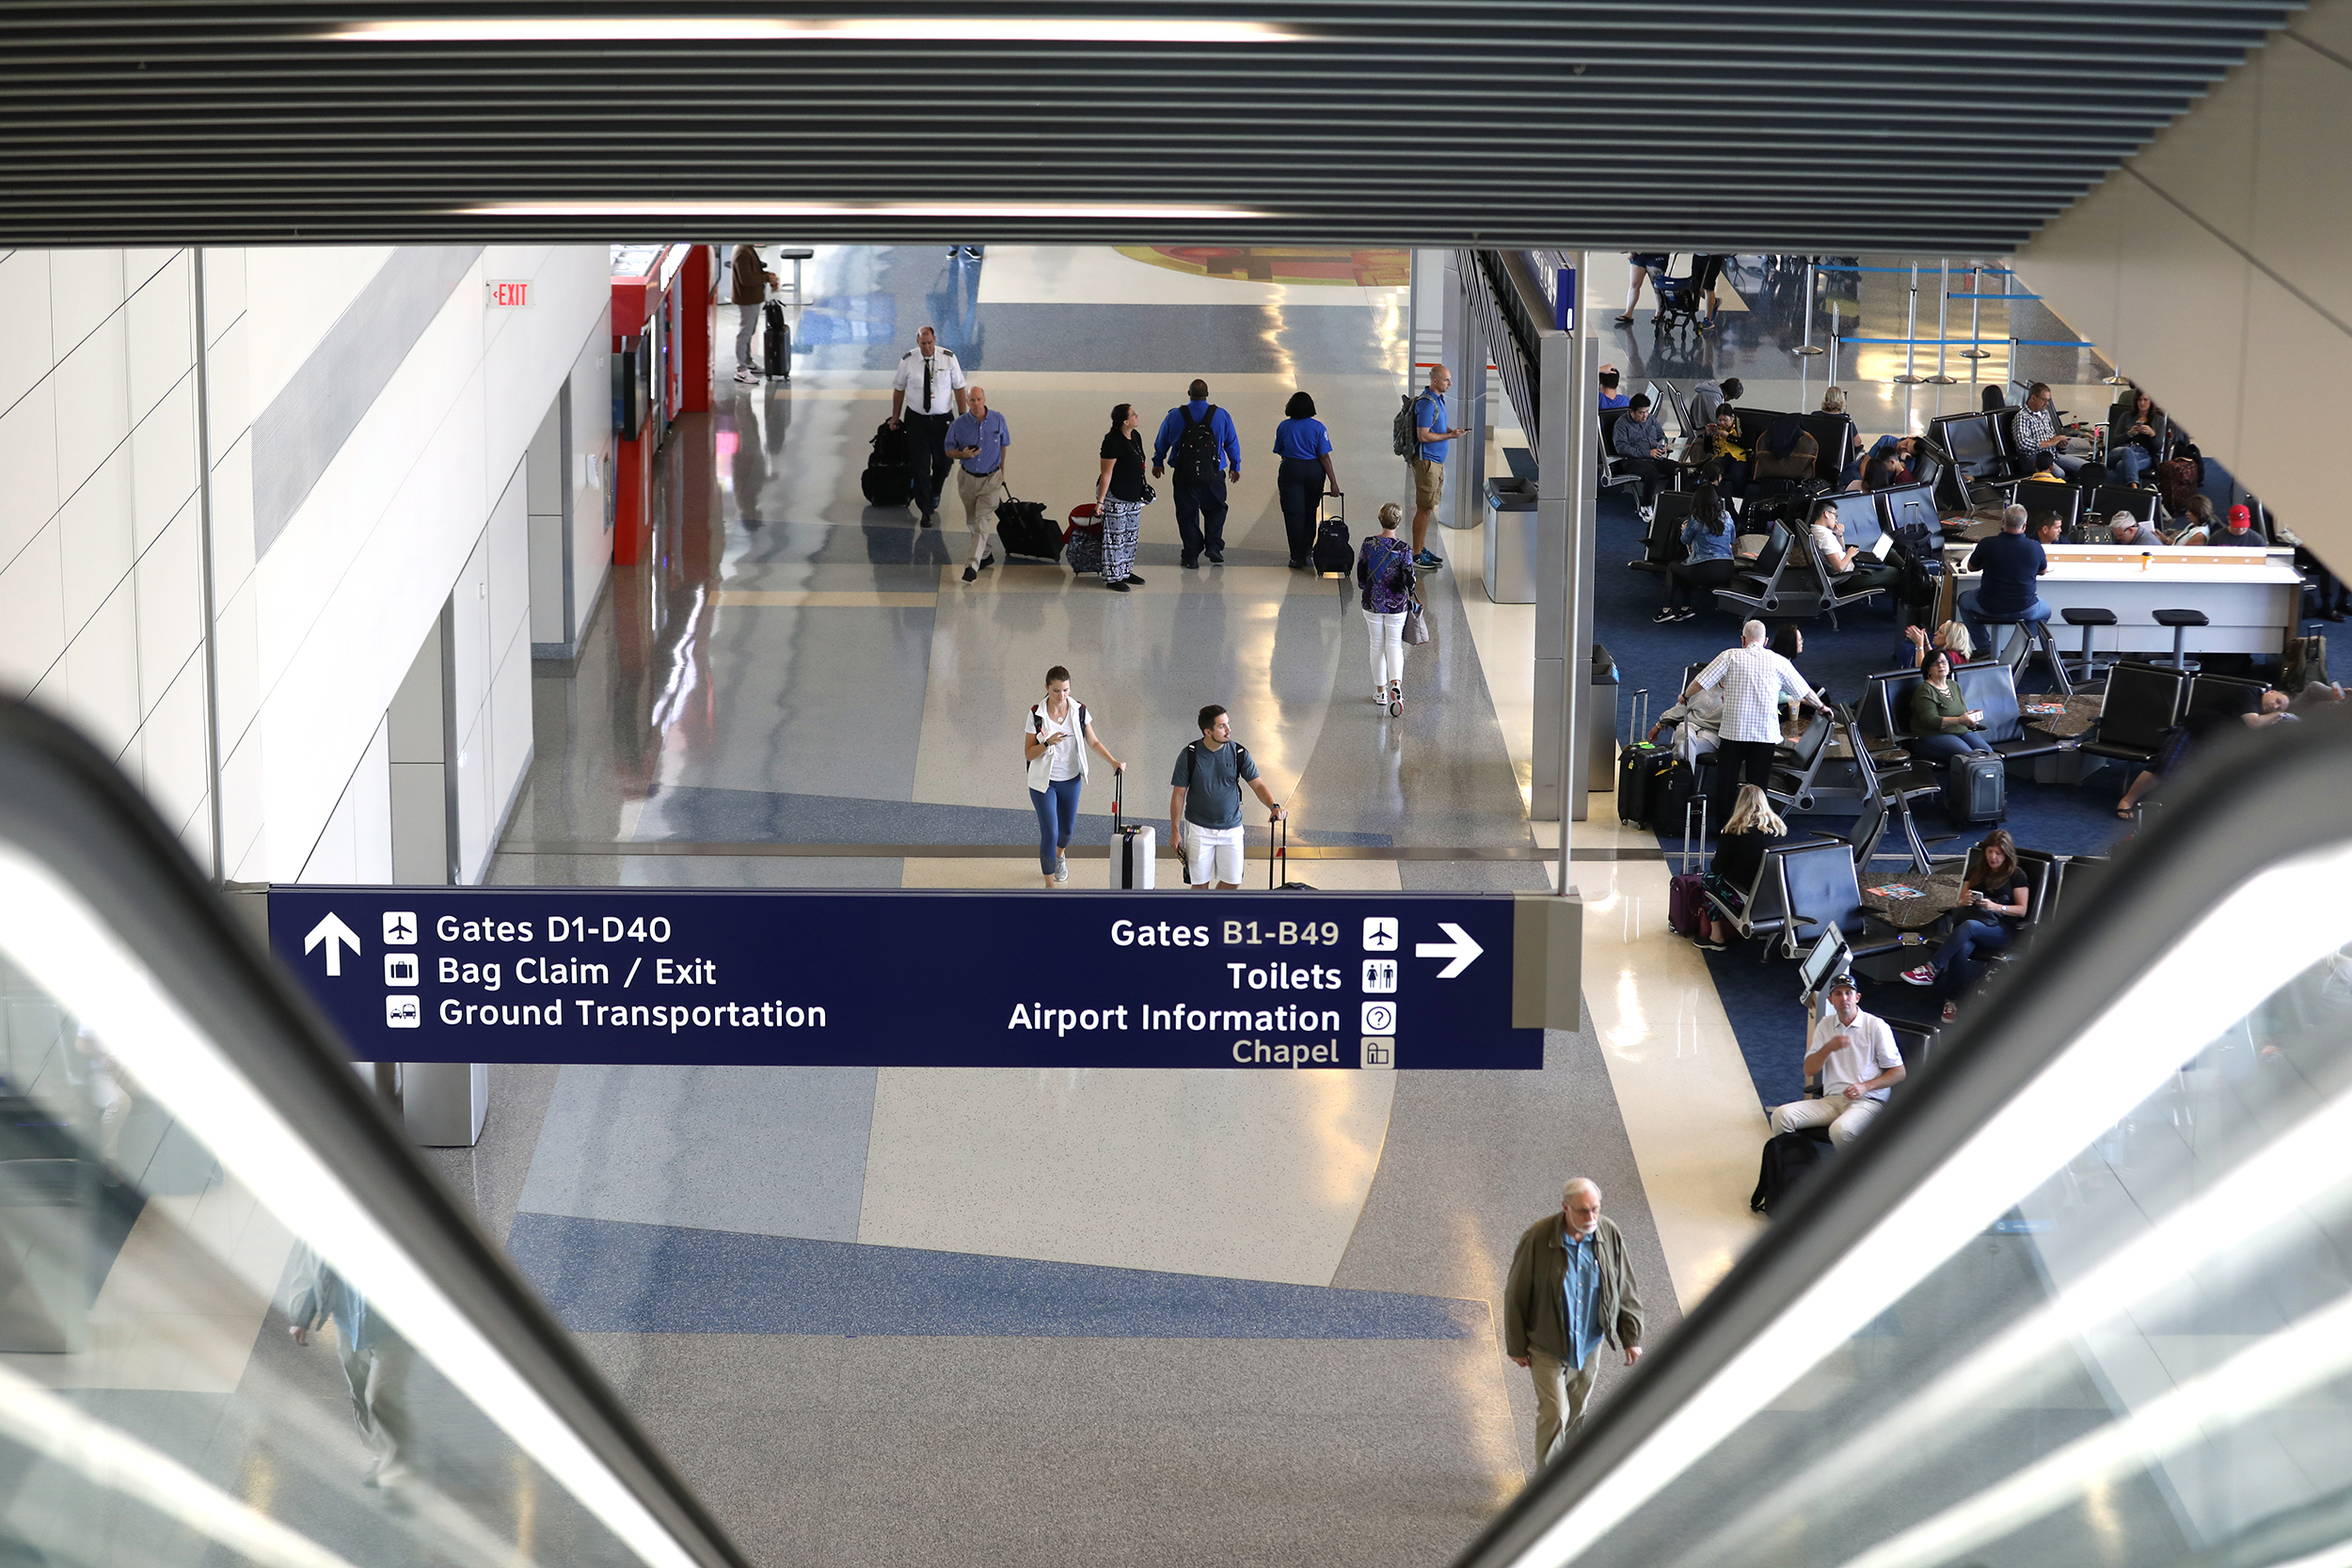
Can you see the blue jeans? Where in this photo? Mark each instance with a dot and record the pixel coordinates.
(2128, 464)
(1056, 814)
(2034, 613)
(1955, 966)
(1943, 748)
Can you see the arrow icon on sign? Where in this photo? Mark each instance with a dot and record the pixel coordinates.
(1461, 950)
(333, 932)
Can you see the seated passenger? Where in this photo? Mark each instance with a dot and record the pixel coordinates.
(1855, 1054)
(2241, 531)
(1717, 448)
(1854, 571)
(1739, 855)
(1694, 727)
(2138, 453)
(2124, 529)
(2011, 565)
(1996, 891)
(2256, 711)
(1833, 400)
(1708, 397)
(2197, 523)
(1609, 396)
(2051, 529)
(2036, 430)
(1640, 441)
(2046, 470)
(1707, 540)
(1943, 726)
(1896, 452)
(1951, 638)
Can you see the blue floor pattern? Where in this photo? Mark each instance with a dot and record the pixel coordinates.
(611, 1276)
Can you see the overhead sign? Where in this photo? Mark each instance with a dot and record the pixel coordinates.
(912, 979)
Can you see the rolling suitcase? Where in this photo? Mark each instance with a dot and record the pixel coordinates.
(1278, 864)
(1685, 892)
(1083, 541)
(1637, 768)
(1976, 790)
(1334, 553)
(1134, 845)
(1022, 527)
(776, 345)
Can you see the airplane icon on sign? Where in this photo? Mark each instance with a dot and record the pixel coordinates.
(399, 929)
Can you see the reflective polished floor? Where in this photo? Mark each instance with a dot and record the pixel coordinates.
(1096, 1316)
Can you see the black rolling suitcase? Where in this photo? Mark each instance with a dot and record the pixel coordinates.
(884, 480)
(1278, 864)
(1976, 790)
(1021, 526)
(1640, 766)
(776, 344)
(1334, 551)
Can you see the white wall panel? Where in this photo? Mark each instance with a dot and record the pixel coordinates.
(233, 515)
(32, 613)
(236, 664)
(294, 295)
(139, 265)
(2301, 222)
(28, 469)
(224, 290)
(510, 726)
(372, 813)
(243, 849)
(160, 336)
(335, 853)
(227, 390)
(509, 563)
(93, 404)
(26, 353)
(474, 803)
(172, 744)
(163, 461)
(94, 538)
(169, 581)
(469, 635)
(102, 673)
(84, 289)
(593, 450)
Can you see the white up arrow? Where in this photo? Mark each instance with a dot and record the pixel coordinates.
(1461, 950)
(333, 932)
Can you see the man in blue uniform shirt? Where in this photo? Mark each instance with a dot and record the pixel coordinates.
(1199, 437)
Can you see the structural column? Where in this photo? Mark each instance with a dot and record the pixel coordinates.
(1569, 418)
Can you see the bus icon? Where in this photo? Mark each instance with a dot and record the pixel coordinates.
(402, 1012)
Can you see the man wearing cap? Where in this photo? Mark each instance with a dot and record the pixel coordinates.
(2241, 531)
(1569, 1289)
(1855, 1054)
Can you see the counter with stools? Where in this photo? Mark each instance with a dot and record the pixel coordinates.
(2249, 598)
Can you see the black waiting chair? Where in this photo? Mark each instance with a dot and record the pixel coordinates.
(1661, 545)
(1611, 475)
(2212, 696)
(2180, 621)
(2143, 701)
(1886, 802)
(2031, 635)
(1756, 588)
(1821, 890)
(1756, 909)
(2086, 666)
(1992, 689)
(1797, 764)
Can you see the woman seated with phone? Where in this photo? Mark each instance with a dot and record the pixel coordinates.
(1996, 891)
(1943, 726)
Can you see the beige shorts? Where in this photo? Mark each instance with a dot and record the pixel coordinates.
(1428, 481)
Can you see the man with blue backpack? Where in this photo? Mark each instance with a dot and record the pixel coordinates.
(1198, 437)
(1420, 440)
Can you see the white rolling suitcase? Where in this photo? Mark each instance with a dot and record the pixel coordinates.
(1134, 845)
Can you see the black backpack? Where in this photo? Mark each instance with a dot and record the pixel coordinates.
(1789, 1158)
(1196, 454)
(885, 481)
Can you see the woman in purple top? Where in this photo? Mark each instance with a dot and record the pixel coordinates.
(1384, 569)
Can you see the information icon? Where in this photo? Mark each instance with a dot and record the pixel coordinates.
(402, 1012)
(1381, 933)
(1380, 975)
(1379, 1018)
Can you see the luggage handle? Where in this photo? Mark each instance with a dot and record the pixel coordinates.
(1278, 857)
(1641, 716)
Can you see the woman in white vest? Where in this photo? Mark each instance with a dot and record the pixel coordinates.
(1054, 739)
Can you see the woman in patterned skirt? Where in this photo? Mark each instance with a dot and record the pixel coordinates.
(1119, 499)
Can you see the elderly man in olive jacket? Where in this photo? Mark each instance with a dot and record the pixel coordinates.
(1570, 1288)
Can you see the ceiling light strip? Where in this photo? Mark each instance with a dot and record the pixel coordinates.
(1075, 211)
(961, 27)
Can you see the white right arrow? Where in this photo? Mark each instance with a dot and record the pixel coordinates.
(333, 932)
(1461, 950)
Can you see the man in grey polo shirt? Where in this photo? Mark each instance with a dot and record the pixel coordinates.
(1204, 796)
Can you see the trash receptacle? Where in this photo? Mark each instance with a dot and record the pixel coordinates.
(1600, 732)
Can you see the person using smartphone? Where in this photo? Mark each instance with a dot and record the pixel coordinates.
(1053, 741)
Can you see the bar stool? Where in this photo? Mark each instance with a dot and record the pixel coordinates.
(2180, 621)
(2032, 634)
(796, 258)
(2088, 666)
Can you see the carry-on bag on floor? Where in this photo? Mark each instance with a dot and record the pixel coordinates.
(1686, 896)
(1334, 554)
(1788, 1159)
(1278, 864)
(1082, 542)
(1134, 845)
(1022, 529)
(776, 347)
(884, 480)
(1637, 769)
(1976, 790)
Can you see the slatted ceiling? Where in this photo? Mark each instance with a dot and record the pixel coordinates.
(1604, 123)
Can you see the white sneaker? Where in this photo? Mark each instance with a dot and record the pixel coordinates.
(747, 375)
(1061, 869)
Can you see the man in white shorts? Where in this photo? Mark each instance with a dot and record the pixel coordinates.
(1854, 1052)
(1204, 801)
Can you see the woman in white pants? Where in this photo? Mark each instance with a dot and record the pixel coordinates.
(1384, 570)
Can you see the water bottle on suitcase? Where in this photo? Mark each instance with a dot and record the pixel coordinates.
(1976, 789)
(1134, 845)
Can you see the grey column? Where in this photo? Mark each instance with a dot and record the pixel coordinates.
(1563, 569)
(1456, 332)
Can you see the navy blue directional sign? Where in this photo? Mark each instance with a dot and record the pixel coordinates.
(910, 980)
